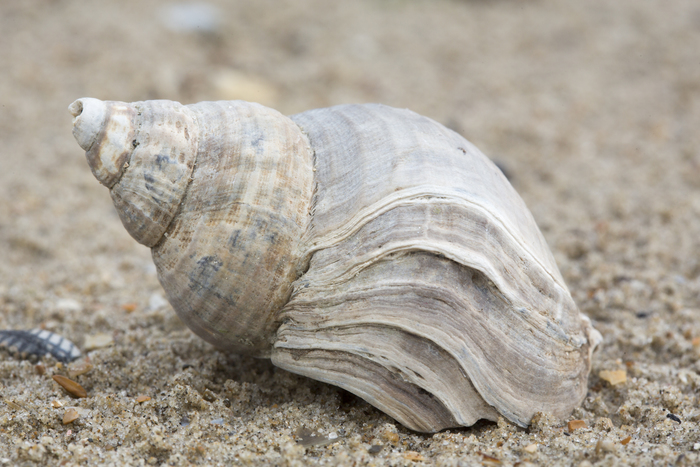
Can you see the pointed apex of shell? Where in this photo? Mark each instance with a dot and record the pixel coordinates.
(88, 120)
(104, 130)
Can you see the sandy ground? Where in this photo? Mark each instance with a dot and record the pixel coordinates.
(592, 107)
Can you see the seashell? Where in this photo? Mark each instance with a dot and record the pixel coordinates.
(38, 343)
(361, 245)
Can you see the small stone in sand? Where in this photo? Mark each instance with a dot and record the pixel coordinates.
(375, 449)
(98, 341)
(142, 398)
(604, 445)
(576, 424)
(306, 437)
(530, 448)
(613, 377)
(413, 456)
(391, 437)
(73, 388)
(79, 368)
(70, 416)
(488, 460)
(13, 405)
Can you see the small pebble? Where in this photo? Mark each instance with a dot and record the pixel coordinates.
(489, 460)
(625, 441)
(70, 386)
(56, 404)
(604, 423)
(156, 301)
(306, 437)
(391, 437)
(98, 341)
(375, 449)
(576, 424)
(79, 368)
(69, 305)
(673, 417)
(14, 405)
(413, 456)
(613, 377)
(142, 398)
(604, 445)
(531, 448)
(70, 416)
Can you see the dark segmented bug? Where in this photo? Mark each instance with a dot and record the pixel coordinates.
(37, 342)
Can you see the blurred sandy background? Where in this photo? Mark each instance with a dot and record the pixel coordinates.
(592, 108)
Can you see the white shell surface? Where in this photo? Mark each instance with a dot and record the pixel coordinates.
(431, 292)
(104, 130)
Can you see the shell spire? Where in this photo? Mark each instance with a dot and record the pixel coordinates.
(105, 133)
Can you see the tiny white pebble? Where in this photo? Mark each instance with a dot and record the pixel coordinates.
(332, 435)
(156, 301)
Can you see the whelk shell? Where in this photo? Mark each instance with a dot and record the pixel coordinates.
(361, 245)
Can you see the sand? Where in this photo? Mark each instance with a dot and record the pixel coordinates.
(591, 107)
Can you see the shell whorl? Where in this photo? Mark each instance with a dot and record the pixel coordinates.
(144, 153)
(239, 176)
(231, 255)
(445, 280)
(104, 131)
(361, 245)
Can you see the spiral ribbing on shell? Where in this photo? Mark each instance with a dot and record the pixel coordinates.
(221, 192)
